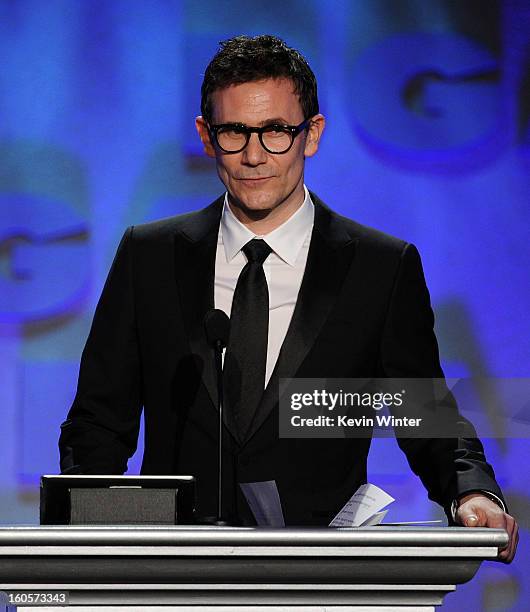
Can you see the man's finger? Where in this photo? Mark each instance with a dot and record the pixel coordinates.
(507, 555)
(472, 517)
(512, 547)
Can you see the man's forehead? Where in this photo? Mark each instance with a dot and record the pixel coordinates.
(281, 82)
(265, 99)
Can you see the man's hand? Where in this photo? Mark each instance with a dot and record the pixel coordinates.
(477, 510)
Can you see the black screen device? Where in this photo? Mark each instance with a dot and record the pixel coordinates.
(116, 500)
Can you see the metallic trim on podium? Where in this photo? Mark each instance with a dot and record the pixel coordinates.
(374, 568)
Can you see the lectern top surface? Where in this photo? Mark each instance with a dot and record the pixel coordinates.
(183, 535)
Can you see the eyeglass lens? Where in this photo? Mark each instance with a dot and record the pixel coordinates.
(276, 139)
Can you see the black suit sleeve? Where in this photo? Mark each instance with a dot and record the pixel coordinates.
(448, 467)
(101, 429)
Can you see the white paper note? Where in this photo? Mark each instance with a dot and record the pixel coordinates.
(366, 502)
(264, 501)
(375, 519)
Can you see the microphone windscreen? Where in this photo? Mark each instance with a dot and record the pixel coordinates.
(217, 326)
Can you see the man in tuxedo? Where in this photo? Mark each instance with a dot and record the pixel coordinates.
(311, 294)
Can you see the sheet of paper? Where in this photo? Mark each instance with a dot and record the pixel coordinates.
(362, 505)
(437, 521)
(376, 519)
(264, 501)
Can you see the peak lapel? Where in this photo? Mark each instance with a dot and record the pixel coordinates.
(195, 251)
(329, 258)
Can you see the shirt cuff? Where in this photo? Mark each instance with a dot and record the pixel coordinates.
(488, 494)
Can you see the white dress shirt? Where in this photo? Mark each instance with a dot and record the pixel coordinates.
(284, 268)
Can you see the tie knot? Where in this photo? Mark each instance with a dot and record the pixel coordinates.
(257, 251)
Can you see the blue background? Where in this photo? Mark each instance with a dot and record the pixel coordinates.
(428, 138)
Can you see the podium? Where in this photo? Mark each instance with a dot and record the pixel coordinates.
(221, 569)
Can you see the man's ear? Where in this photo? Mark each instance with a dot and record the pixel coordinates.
(314, 133)
(204, 135)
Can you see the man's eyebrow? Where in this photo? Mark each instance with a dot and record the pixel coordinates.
(273, 121)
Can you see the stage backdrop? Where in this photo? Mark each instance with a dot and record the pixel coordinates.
(428, 138)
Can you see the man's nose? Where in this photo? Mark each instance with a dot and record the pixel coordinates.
(254, 154)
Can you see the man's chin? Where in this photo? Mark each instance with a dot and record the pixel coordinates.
(257, 208)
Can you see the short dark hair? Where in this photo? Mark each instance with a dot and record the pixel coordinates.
(243, 59)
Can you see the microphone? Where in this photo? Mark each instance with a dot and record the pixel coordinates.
(217, 328)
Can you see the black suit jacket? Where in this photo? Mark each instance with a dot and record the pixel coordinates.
(363, 311)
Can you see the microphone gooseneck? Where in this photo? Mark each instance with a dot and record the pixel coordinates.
(217, 328)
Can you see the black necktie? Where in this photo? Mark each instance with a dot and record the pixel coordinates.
(246, 353)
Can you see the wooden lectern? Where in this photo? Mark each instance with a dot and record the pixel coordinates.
(243, 569)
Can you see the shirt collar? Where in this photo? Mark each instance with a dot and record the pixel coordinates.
(286, 240)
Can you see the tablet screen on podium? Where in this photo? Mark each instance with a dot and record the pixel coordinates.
(116, 500)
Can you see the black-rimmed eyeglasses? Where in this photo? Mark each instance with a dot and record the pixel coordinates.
(274, 138)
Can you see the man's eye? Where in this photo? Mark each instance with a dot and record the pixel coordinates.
(234, 132)
(276, 130)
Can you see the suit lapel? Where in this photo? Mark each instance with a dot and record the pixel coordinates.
(328, 261)
(195, 251)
